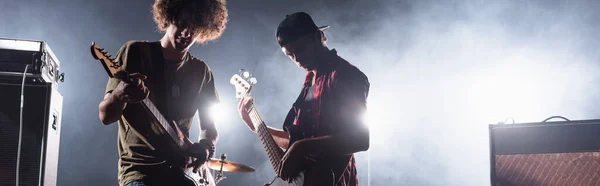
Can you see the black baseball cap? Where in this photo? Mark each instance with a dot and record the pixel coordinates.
(296, 25)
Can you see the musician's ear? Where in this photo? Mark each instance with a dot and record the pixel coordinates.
(320, 37)
(323, 38)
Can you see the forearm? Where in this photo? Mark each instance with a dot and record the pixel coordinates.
(337, 144)
(281, 137)
(110, 109)
(210, 133)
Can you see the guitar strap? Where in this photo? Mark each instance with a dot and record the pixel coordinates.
(158, 78)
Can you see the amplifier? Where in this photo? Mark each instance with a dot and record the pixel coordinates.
(545, 153)
(41, 126)
(15, 54)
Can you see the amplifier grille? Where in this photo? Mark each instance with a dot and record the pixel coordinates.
(578, 168)
(34, 114)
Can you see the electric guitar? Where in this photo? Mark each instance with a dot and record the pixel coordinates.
(177, 143)
(315, 172)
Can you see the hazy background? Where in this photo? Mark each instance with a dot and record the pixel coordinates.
(440, 72)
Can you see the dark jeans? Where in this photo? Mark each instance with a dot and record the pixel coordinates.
(166, 180)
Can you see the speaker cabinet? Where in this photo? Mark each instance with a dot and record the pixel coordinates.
(41, 122)
(545, 153)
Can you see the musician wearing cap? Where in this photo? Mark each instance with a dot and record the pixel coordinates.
(328, 109)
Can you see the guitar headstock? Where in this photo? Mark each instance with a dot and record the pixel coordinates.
(107, 60)
(243, 82)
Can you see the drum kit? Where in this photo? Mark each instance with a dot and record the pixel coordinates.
(221, 165)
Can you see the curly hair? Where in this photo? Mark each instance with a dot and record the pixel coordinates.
(205, 17)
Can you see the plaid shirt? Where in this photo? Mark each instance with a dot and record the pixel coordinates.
(338, 101)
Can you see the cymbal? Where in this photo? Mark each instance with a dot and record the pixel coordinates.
(228, 166)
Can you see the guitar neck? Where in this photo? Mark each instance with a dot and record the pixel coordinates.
(174, 133)
(274, 153)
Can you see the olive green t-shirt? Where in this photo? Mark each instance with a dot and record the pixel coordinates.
(177, 89)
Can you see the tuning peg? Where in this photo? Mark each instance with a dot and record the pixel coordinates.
(244, 73)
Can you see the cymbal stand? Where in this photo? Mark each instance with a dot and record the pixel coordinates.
(220, 175)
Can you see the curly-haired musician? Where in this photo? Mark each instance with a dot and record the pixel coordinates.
(178, 83)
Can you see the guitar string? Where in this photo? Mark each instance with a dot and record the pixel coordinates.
(263, 137)
(277, 150)
(274, 146)
(264, 128)
(259, 129)
(271, 151)
(162, 121)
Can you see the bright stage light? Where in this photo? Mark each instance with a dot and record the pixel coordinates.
(371, 118)
(366, 119)
(217, 112)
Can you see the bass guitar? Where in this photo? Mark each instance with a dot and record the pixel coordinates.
(315, 172)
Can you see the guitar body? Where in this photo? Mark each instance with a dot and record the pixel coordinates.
(202, 177)
(187, 177)
(317, 176)
(315, 172)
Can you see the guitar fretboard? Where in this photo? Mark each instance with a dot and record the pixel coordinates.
(175, 134)
(274, 153)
